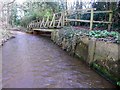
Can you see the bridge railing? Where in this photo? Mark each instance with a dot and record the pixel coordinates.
(91, 11)
(61, 19)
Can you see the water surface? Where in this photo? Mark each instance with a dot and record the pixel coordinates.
(36, 62)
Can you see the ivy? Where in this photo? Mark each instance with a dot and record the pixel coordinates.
(105, 34)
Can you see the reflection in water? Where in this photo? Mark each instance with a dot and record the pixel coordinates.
(35, 62)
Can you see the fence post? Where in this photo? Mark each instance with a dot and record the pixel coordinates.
(63, 18)
(91, 19)
(110, 20)
(66, 13)
(54, 21)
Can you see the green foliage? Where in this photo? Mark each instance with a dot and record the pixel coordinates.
(38, 10)
(116, 18)
(102, 69)
(115, 7)
(27, 19)
(14, 17)
(69, 32)
(105, 34)
(105, 72)
(118, 83)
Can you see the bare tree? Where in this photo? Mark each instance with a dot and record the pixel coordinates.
(5, 13)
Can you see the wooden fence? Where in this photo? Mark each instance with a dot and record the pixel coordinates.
(61, 19)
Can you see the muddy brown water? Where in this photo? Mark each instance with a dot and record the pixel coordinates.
(30, 61)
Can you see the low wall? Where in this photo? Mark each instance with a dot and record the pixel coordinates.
(103, 56)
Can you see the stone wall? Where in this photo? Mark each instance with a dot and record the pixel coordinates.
(104, 56)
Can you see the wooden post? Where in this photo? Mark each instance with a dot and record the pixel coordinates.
(38, 24)
(53, 21)
(46, 23)
(42, 23)
(76, 18)
(110, 20)
(79, 17)
(66, 13)
(63, 19)
(60, 21)
(91, 20)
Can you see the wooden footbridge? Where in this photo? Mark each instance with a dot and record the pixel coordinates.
(63, 18)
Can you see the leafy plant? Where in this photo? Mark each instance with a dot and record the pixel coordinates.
(105, 34)
(118, 83)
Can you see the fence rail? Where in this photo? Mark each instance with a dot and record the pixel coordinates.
(61, 19)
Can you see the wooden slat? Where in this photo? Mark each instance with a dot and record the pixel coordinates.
(43, 30)
(102, 22)
(56, 20)
(96, 12)
(77, 20)
(59, 21)
(102, 11)
(87, 9)
(42, 23)
(53, 20)
(46, 23)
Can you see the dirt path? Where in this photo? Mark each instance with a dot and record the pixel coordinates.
(36, 62)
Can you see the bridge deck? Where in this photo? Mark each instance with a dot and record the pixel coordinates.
(44, 30)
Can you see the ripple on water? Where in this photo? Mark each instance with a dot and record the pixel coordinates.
(35, 62)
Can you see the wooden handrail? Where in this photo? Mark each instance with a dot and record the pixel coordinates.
(77, 20)
(61, 18)
(87, 9)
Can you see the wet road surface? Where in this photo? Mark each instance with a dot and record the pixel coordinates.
(36, 62)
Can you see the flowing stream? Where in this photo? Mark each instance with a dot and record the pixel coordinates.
(30, 61)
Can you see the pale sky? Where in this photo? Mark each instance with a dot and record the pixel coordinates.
(21, 1)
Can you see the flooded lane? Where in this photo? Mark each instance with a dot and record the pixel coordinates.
(36, 62)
